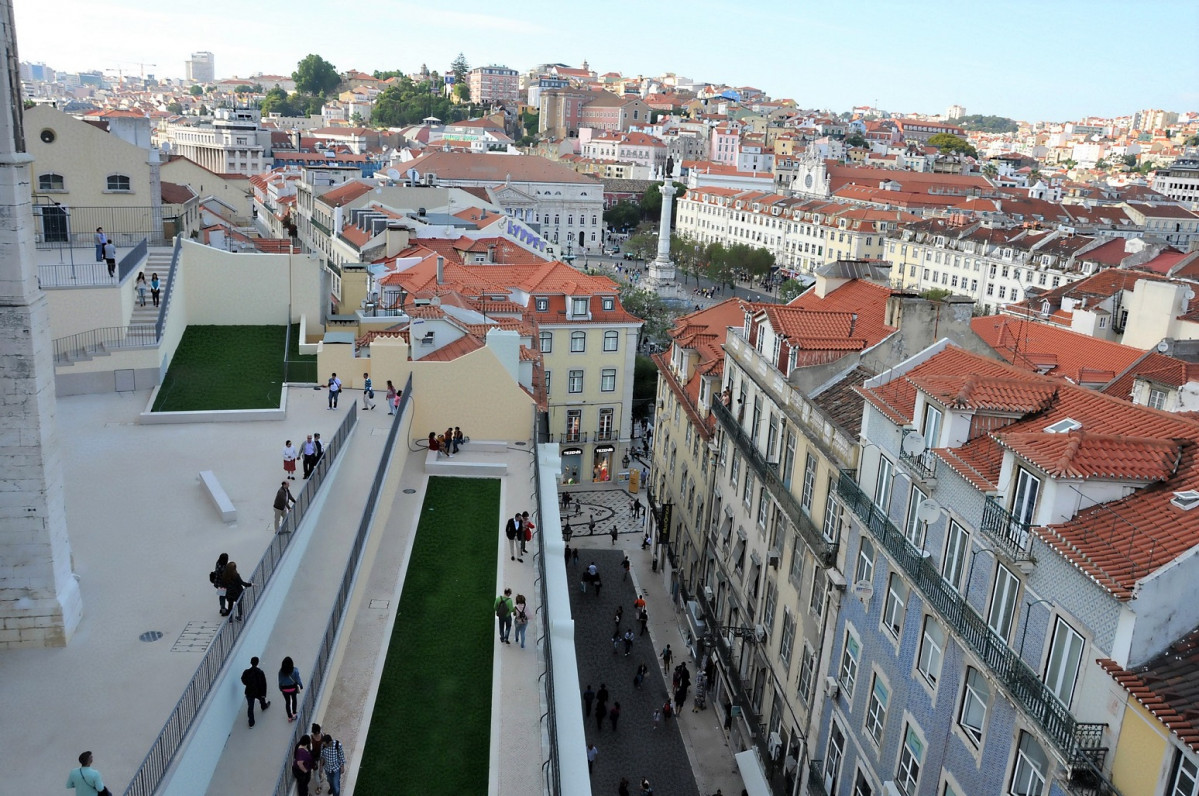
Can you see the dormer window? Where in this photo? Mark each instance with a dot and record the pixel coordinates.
(542, 304)
(608, 303)
(578, 306)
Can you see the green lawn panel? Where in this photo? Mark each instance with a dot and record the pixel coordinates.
(430, 732)
(224, 367)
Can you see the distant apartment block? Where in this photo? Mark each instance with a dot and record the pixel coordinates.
(201, 68)
(494, 84)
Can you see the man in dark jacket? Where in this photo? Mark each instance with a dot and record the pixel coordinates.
(254, 679)
(283, 502)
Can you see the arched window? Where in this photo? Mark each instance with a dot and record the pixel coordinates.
(555, 218)
(118, 182)
(578, 341)
(611, 340)
(50, 182)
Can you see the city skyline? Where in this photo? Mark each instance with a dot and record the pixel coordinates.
(856, 49)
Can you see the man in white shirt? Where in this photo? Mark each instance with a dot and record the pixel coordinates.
(334, 390)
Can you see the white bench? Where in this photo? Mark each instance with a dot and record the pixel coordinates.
(224, 505)
(439, 464)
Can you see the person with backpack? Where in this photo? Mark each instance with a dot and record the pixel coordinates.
(254, 679)
(521, 618)
(503, 608)
(290, 685)
(333, 761)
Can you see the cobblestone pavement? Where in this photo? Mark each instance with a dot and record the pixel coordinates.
(634, 749)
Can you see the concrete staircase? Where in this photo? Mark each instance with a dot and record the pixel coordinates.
(143, 319)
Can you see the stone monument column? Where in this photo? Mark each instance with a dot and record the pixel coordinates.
(661, 270)
(40, 604)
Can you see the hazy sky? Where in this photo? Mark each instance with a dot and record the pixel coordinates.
(1028, 59)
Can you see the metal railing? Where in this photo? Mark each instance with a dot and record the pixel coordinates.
(58, 226)
(573, 436)
(923, 464)
(816, 778)
(609, 435)
(84, 345)
(825, 550)
(1011, 534)
(285, 780)
(1022, 684)
(551, 767)
(170, 289)
(162, 752)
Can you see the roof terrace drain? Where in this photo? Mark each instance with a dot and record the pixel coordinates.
(150, 635)
(409, 491)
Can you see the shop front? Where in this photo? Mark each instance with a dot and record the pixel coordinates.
(572, 460)
(601, 467)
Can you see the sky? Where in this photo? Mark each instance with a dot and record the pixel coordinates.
(1049, 60)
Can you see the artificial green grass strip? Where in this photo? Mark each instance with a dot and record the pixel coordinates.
(430, 732)
(224, 367)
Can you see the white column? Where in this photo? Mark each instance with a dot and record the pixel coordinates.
(661, 270)
(39, 598)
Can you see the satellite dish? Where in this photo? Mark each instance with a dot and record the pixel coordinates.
(863, 590)
(913, 444)
(1163, 347)
(393, 174)
(928, 510)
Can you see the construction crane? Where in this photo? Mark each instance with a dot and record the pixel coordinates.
(140, 64)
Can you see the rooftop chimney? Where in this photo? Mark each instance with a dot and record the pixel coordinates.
(440, 270)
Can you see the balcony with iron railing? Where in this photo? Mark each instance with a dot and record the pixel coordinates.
(1078, 742)
(923, 465)
(1010, 533)
(571, 436)
(607, 435)
(816, 778)
(825, 550)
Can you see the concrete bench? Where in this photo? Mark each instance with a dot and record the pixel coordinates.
(459, 464)
(224, 505)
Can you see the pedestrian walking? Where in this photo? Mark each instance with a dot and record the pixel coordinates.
(101, 239)
(234, 587)
(140, 287)
(625, 566)
(368, 399)
(628, 642)
(612, 533)
(301, 765)
(592, 753)
(614, 715)
(526, 532)
(667, 657)
(290, 685)
(333, 761)
(601, 703)
(85, 779)
(520, 617)
(290, 454)
(283, 503)
(597, 583)
(391, 398)
(309, 453)
(574, 554)
(646, 790)
(217, 579)
(657, 718)
(254, 680)
(667, 711)
(513, 530)
(396, 402)
(567, 555)
(315, 745)
(155, 288)
(503, 608)
(623, 788)
(680, 698)
(643, 618)
(588, 698)
(110, 257)
(639, 677)
(334, 390)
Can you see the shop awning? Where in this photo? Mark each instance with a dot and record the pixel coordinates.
(752, 775)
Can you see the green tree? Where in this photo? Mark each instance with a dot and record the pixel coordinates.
(651, 201)
(623, 214)
(988, 124)
(244, 88)
(642, 245)
(645, 380)
(459, 69)
(1130, 161)
(531, 122)
(257, 88)
(936, 294)
(947, 142)
(718, 265)
(462, 92)
(315, 75)
(196, 90)
(175, 108)
(856, 140)
(1101, 163)
(1193, 140)
(387, 75)
(790, 289)
(649, 307)
(277, 101)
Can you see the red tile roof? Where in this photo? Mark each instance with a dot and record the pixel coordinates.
(1155, 367)
(1080, 454)
(1116, 543)
(1054, 351)
(1167, 686)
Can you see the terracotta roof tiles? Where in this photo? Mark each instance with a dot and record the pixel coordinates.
(1080, 454)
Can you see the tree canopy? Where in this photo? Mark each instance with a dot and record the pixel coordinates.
(648, 306)
(622, 215)
(315, 75)
(196, 90)
(790, 289)
(406, 102)
(988, 124)
(947, 142)
(856, 139)
(651, 200)
(458, 68)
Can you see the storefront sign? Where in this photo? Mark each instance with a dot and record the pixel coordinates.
(573, 452)
(604, 449)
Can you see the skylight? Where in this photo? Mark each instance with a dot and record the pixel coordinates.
(1063, 426)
